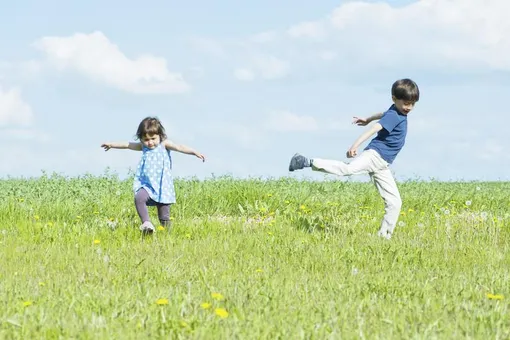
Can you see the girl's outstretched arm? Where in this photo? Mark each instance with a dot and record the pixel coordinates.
(122, 145)
(169, 145)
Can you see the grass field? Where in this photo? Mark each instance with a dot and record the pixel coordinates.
(253, 259)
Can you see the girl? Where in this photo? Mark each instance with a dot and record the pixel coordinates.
(153, 183)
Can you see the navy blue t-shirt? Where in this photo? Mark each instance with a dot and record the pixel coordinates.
(390, 140)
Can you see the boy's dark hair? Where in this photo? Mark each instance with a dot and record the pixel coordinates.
(405, 89)
(150, 126)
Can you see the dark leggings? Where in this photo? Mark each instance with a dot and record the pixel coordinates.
(142, 200)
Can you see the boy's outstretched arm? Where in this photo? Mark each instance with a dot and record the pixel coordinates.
(169, 145)
(353, 150)
(122, 145)
(366, 121)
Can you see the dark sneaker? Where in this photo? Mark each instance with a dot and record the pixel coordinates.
(298, 162)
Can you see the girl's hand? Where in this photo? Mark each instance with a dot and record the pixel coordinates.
(106, 146)
(360, 121)
(199, 155)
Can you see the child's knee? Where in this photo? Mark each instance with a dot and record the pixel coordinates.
(141, 196)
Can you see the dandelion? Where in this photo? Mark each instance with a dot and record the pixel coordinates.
(259, 270)
(495, 296)
(269, 195)
(96, 212)
(161, 228)
(37, 217)
(270, 233)
(410, 210)
(184, 324)
(162, 302)
(302, 207)
(221, 312)
(217, 296)
(205, 305)
(447, 212)
(355, 271)
(468, 203)
(27, 303)
(97, 241)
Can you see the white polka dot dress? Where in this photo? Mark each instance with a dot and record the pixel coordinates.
(154, 174)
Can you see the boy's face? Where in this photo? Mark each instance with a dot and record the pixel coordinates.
(403, 106)
(151, 141)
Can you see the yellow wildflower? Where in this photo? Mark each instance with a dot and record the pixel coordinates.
(162, 302)
(160, 228)
(205, 305)
(97, 241)
(27, 303)
(221, 312)
(495, 296)
(259, 270)
(217, 296)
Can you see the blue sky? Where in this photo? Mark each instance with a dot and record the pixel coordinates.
(250, 85)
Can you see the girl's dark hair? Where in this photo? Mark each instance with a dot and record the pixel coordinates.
(150, 126)
(405, 89)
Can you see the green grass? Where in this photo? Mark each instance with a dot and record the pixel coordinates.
(290, 259)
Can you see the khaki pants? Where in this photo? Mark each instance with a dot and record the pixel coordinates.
(369, 161)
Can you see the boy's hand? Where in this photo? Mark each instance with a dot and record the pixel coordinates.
(360, 121)
(352, 152)
(199, 155)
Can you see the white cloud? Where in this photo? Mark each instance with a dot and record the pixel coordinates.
(248, 137)
(428, 34)
(13, 110)
(271, 67)
(94, 56)
(288, 121)
(208, 46)
(264, 37)
(310, 29)
(244, 74)
(264, 66)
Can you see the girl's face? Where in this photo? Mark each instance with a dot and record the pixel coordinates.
(151, 141)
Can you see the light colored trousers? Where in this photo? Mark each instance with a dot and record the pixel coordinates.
(369, 161)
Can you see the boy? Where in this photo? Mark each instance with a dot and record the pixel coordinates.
(375, 159)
